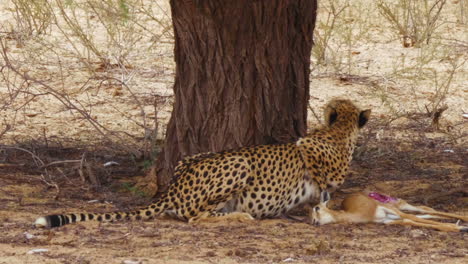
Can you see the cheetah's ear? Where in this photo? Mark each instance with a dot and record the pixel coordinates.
(364, 117)
(330, 115)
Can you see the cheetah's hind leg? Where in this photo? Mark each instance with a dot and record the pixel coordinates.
(217, 216)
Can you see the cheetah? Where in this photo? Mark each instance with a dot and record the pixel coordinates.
(263, 181)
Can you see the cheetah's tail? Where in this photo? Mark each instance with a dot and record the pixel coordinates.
(50, 221)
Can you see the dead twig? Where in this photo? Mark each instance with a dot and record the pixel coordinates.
(315, 114)
(93, 178)
(60, 162)
(80, 170)
(436, 117)
(64, 175)
(51, 184)
(5, 130)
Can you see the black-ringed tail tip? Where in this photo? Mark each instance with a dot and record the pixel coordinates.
(41, 222)
(60, 220)
(64, 219)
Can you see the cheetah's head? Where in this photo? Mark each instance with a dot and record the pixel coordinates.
(344, 111)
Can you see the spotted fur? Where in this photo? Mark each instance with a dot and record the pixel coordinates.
(252, 182)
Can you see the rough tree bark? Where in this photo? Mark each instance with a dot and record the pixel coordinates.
(242, 76)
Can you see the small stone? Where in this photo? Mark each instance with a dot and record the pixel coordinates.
(28, 235)
(38, 250)
(417, 233)
(132, 261)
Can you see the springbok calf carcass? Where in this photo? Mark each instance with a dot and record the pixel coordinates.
(372, 207)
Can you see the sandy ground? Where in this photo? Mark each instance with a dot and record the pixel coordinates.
(24, 197)
(399, 153)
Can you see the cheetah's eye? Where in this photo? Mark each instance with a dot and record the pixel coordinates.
(316, 209)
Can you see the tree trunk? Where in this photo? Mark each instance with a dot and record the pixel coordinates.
(242, 76)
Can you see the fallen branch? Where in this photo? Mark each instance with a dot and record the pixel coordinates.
(34, 156)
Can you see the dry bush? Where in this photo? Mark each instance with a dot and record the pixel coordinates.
(414, 21)
(424, 75)
(97, 46)
(325, 28)
(421, 72)
(341, 27)
(462, 15)
(31, 17)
